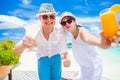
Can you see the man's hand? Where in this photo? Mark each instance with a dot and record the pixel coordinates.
(66, 60)
(29, 42)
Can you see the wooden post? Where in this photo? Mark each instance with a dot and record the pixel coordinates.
(10, 75)
(6, 70)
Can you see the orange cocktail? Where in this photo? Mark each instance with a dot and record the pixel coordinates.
(109, 22)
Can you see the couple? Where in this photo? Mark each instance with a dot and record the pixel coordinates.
(51, 43)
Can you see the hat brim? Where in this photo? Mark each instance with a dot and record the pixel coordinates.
(67, 16)
(45, 13)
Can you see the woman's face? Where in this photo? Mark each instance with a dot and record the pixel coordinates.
(68, 23)
(48, 20)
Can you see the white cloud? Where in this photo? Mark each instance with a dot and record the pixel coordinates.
(105, 3)
(87, 19)
(24, 13)
(26, 2)
(118, 16)
(11, 21)
(5, 34)
(95, 30)
(33, 24)
(78, 7)
(27, 5)
(93, 27)
(85, 1)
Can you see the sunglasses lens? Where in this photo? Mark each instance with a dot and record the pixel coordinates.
(69, 21)
(44, 16)
(63, 23)
(52, 17)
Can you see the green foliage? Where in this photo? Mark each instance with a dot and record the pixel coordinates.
(7, 44)
(7, 56)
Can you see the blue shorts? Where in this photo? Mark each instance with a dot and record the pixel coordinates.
(49, 68)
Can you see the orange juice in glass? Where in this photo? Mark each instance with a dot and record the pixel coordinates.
(109, 22)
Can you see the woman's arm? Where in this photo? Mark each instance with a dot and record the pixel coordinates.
(93, 40)
(102, 42)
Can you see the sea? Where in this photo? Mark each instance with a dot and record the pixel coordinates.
(15, 34)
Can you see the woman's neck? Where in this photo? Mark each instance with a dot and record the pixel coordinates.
(74, 33)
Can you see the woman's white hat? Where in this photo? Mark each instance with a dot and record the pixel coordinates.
(46, 8)
(65, 14)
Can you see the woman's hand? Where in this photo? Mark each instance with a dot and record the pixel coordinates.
(117, 37)
(106, 42)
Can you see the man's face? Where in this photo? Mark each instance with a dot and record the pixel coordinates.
(48, 20)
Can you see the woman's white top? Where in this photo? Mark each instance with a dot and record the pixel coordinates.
(88, 58)
(54, 45)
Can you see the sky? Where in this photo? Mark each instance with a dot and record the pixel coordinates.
(19, 13)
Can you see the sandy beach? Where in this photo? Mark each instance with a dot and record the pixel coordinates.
(111, 65)
(28, 62)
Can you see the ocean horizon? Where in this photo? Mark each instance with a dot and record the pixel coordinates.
(15, 34)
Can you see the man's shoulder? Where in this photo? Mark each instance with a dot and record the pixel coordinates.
(58, 27)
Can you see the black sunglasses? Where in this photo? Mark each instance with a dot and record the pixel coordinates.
(46, 17)
(69, 21)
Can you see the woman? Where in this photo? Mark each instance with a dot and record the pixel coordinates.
(84, 47)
